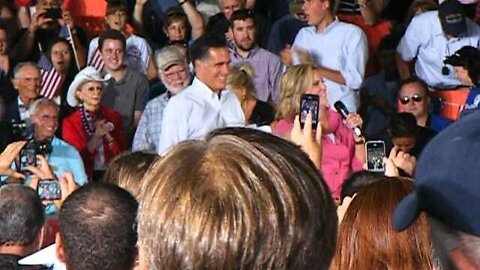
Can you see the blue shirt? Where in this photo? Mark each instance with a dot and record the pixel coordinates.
(64, 158)
(472, 103)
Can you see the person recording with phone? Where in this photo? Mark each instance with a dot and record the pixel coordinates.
(48, 21)
(64, 186)
(59, 155)
(342, 150)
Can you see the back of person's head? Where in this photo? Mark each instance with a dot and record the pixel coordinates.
(21, 216)
(111, 34)
(366, 236)
(357, 181)
(126, 170)
(241, 76)
(200, 49)
(294, 82)
(97, 228)
(239, 199)
(403, 125)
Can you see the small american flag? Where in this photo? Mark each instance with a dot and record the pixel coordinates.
(50, 77)
(96, 61)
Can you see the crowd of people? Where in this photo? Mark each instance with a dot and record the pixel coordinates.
(173, 136)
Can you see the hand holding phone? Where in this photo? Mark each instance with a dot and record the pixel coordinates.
(309, 104)
(49, 189)
(375, 153)
(53, 13)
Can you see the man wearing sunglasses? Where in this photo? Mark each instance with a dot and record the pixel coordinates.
(413, 98)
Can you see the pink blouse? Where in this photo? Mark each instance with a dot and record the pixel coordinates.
(338, 156)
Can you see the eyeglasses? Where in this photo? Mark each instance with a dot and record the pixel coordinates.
(175, 74)
(406, 100)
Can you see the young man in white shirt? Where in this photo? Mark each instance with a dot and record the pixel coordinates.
(205, 105)
(338, 49)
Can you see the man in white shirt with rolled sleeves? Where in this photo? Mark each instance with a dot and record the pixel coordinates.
(338, 49)
(205, 105)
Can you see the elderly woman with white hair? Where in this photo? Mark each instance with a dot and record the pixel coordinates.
(94, 130)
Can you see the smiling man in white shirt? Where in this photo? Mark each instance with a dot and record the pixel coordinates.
(205, 105)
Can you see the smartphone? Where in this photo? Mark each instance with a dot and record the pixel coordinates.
(49, 190)
(309, 104)
(53, 13)
(28, 157)
(375, 153)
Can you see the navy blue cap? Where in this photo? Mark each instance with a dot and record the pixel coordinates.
(452, 18)
(447, 179)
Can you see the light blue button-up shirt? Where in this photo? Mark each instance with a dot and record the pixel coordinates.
(341, 47)
(425, 40)
(196, 111)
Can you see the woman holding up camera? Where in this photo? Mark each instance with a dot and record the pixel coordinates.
(95, 131)
(342, 151)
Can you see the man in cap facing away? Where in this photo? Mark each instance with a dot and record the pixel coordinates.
(174, 73)
(446, 188)
(430, 38)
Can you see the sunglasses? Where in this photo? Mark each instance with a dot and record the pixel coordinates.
(406, 100)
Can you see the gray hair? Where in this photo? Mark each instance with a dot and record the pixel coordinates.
(33, 108)
(20, 65)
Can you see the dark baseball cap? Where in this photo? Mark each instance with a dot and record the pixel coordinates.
(452, 18)
(447, 180)
(463, 57)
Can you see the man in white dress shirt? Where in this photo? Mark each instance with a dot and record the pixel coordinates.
(205, 105)
(338, 49)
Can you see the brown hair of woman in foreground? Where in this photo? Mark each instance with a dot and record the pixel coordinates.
(239, 199)
(366, 236)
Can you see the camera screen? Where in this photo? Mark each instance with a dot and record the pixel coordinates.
(375, 154)
(49, 190)
(28, 157)
(309, 106)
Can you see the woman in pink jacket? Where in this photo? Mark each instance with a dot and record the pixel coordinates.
(342, 151)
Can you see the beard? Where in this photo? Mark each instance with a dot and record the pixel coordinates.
(176, 89)
(246, 45)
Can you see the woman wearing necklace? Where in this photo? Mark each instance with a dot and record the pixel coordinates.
(94, 130)
(240, 82)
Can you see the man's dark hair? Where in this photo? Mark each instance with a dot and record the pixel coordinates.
(21, 215)
(357, 181)
(200, 48)
(416, 80)
(111, 34)
(97, 225)
(116, 5)
(242, 15)
(403, 125)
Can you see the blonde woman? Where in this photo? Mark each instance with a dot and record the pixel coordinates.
(240, 81)
(342, 152)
